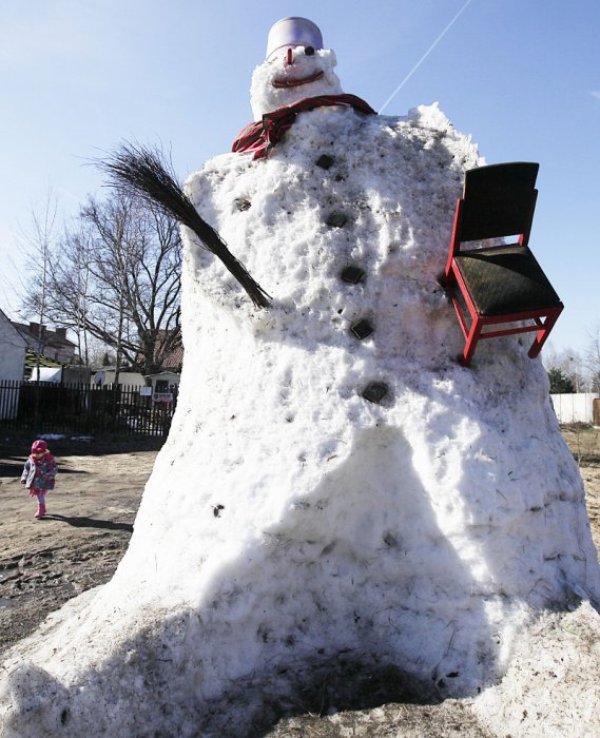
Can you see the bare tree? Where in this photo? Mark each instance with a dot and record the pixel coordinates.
(117, 278)
(592, 357)
(81, 275)
(38, 241)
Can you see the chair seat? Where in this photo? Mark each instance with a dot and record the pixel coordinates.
(505, 280)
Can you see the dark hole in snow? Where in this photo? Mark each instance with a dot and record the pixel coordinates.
(217, 510)
(362, 329)
(337, 219)
(352, 274)
(242, 204)
(389, 540)
(325, 161)
(64, 716)
(375, 392)
(453, 674)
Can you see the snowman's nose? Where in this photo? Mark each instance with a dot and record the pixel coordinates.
(289, 59)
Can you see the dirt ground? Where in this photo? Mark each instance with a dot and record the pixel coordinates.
(89, 523)
(79, 544)
(585, 447)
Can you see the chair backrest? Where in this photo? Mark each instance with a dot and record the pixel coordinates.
(499, 200)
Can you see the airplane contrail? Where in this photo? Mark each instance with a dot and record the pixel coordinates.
(425, 55)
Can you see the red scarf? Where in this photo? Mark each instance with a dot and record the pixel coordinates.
(259, 138)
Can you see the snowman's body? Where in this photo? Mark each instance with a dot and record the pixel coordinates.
(296, 522)
(388, 520)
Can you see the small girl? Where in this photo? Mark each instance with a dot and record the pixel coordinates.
(39, 474)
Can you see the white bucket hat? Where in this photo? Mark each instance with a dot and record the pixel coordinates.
(293, 32)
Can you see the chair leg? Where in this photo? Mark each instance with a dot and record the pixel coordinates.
(471, 343)
(542, 335)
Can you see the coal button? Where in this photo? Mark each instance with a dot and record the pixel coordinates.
(352, 274)
(375, 392)
(337, 219)
(325, 161)
(362, 329)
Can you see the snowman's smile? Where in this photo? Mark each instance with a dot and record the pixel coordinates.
(286, 82)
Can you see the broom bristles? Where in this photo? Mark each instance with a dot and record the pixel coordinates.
(143, 171)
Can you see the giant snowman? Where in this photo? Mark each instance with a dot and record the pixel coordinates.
(339, 500)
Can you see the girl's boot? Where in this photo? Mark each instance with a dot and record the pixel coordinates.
(41, 511)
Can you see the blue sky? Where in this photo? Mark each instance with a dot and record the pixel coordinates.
(521, 76)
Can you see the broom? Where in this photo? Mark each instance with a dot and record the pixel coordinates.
(142, 171)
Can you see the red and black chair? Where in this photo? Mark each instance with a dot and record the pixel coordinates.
(494, 281)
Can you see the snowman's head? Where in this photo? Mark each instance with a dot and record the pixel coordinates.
(296, 66)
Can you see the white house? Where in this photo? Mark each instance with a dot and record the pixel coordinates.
(12, 350)
(126, 379)
(164, 381)
(54, 345)
(12, 362)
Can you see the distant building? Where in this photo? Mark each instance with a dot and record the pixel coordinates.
(54, 345)
(174, 361)
(12, 364)
(12, 350)
(173, 357)
(72, 375)
(163, 381)
(126, 378)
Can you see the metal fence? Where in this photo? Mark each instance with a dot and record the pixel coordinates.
(43, 407)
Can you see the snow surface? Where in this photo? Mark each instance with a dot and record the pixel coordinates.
(293, 530)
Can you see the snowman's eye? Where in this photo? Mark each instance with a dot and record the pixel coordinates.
(309, 50)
